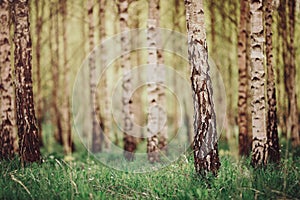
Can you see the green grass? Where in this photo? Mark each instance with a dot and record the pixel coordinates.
(85, 178)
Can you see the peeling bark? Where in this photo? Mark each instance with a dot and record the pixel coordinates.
(206, 157)
(272, 132)
(29, 149)
(7, 122)
(260, 146)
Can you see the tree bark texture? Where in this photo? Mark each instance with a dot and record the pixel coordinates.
(205, 145)
(7, 122)
(259, 143)
(29, 149)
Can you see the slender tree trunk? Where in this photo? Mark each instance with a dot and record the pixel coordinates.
(66, 113)
(7, 122)
(39, 28)
(272, 132)
(205, 141)
(290, 76)
(259, 144)
(244, 144)
(54, 57)
(107, 114)
(282, 11)
(129, 140)
(29, 149)
(163, 125)
(97, 132)
(153, 88)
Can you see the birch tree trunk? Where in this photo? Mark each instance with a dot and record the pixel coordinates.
(29, 149)
(163, 134)
(97, 134)
(7, 122)
(205, 145)
(244, 144)
(259, 144)
(129, 140)
(153, 88)
(272, 132)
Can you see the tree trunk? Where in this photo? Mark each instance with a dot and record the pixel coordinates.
(153, 88)
(39, 28)
(102, 35)
(244, 144)
(7, 122)
(259, 144)
(129, 140)
(163, 125)
(97, 132)
(272, 132)
(54, 57)
(66, 113)
(290, 76)
(27, 129)
(205, 141)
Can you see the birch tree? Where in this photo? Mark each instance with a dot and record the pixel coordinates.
(29, 149)
(205, 145)
(153, 89)
(127, 101)
(259, 143)
(7, 121)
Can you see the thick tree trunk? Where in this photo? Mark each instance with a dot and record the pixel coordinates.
(7, 122)
(129, 140)
(244, 144)
(290, 76)
(97, 132)
(205, 141)
(272, 132)
(66, 113)
(39, 28)
(29, 149)
(259, 144)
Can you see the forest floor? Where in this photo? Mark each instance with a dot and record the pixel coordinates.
(85, 178)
